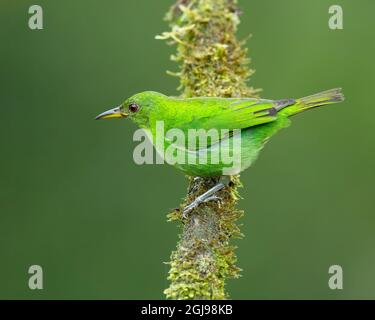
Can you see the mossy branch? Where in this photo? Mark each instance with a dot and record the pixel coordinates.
(212, 63)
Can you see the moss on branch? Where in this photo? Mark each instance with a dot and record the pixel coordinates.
(212, 62)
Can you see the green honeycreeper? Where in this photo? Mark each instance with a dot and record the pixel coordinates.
(258, 119)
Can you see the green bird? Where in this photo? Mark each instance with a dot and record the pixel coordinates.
(231, 126)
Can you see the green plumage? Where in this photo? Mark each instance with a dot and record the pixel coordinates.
(258, 119)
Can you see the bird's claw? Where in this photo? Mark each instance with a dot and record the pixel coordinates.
(198, 202)
(188, 209)
(209, 195)
(213, 198)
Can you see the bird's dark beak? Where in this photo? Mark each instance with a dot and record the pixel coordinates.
(113, 113)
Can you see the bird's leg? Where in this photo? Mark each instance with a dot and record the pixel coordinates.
(209, 195)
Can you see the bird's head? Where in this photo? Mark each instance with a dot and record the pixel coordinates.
(137, 107)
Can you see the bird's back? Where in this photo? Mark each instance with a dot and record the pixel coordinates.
(216, 113)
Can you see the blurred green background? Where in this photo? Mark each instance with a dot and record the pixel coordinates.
(73, 201)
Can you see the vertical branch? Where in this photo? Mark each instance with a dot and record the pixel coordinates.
(212, 63)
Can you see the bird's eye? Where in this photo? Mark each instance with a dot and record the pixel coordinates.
(133, 107)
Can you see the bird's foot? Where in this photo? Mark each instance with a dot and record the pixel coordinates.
(209, 195)
(198, 201)
(213, 198)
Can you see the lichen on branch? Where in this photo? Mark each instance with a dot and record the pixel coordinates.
(212, 62)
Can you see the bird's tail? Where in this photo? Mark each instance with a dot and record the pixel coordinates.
(316, 100)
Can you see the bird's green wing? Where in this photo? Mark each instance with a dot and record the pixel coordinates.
(230, 114)
(238, 114)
